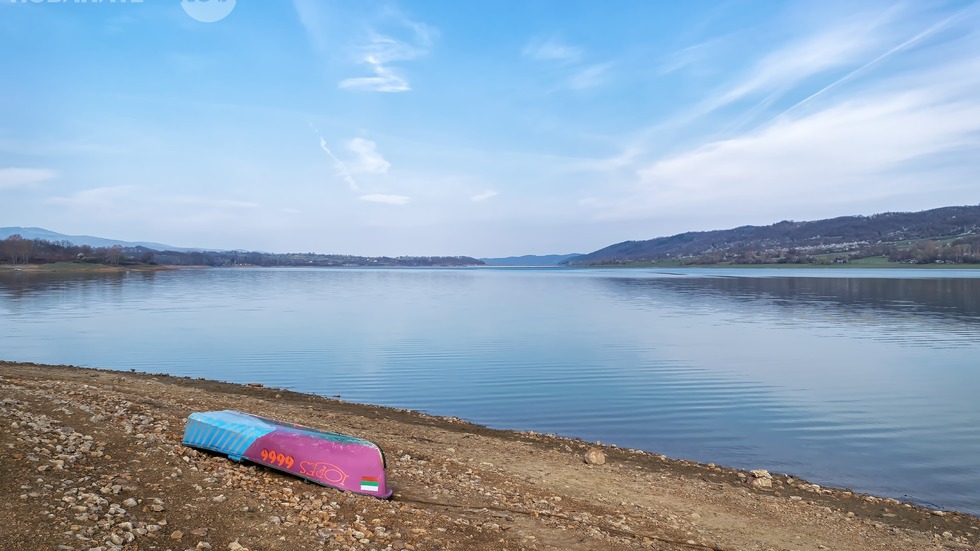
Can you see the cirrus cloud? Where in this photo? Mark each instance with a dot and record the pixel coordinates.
(385, 198)
(368, 158)
(385, 79)
(551, 50)
(380, 50)
(13, 177)
(480, 197)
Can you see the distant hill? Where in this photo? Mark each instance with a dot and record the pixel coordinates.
(41, 246)
(891, 234)
(48, 235)
(532, 260)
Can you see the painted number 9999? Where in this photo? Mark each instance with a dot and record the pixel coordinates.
(274, 457)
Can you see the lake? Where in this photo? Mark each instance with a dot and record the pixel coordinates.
(867, 379)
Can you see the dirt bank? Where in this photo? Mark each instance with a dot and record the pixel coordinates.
(93, 460)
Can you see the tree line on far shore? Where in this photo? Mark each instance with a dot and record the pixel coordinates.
(962, 250)
(947, 235)
(17, 250)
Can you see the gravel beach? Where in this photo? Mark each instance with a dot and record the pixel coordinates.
(92, 460)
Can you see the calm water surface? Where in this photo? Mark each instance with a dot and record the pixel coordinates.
(866, 379)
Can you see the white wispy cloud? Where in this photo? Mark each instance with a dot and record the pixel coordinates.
(480, 197)
(13, 177)
(891, 52)
(385, 79)
(95, 197)
(403, 40)
(691, 56)
(314, 22)
(363, 158)
(385, 198)
(841, 45)
(379, 51)
(44, 147)
(626, 159)
(912, 130)
(381, 48)
(589, 77)
(569, 63)
(367, 157)
(551, 49)
(114, 196)
(210, 202)
(882, 144)
(341, 167)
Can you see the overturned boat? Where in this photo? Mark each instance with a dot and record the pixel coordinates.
(325, 458)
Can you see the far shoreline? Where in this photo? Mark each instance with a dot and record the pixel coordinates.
(846, 266)
(71, 267)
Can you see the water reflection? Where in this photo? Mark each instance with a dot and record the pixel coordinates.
(925, 312)
(17, 285)
(953, 298)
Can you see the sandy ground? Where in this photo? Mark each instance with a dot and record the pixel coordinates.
(93, 459)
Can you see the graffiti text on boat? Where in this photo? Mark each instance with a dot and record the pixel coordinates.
(323, 471)
(273, 457)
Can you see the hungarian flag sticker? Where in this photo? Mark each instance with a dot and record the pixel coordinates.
(369, 484)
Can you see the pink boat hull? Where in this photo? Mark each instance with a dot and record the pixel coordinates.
(330, 459)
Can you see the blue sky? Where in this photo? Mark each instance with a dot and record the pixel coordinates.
(482, 128)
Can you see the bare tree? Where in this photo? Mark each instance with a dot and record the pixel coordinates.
(114, 255)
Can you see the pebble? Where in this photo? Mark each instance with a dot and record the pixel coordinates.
(595, 457)
(760, 478)
(760, 483)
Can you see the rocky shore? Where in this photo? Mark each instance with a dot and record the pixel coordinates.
(92, 460)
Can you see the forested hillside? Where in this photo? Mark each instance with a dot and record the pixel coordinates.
(948, 234)
(17, 250)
